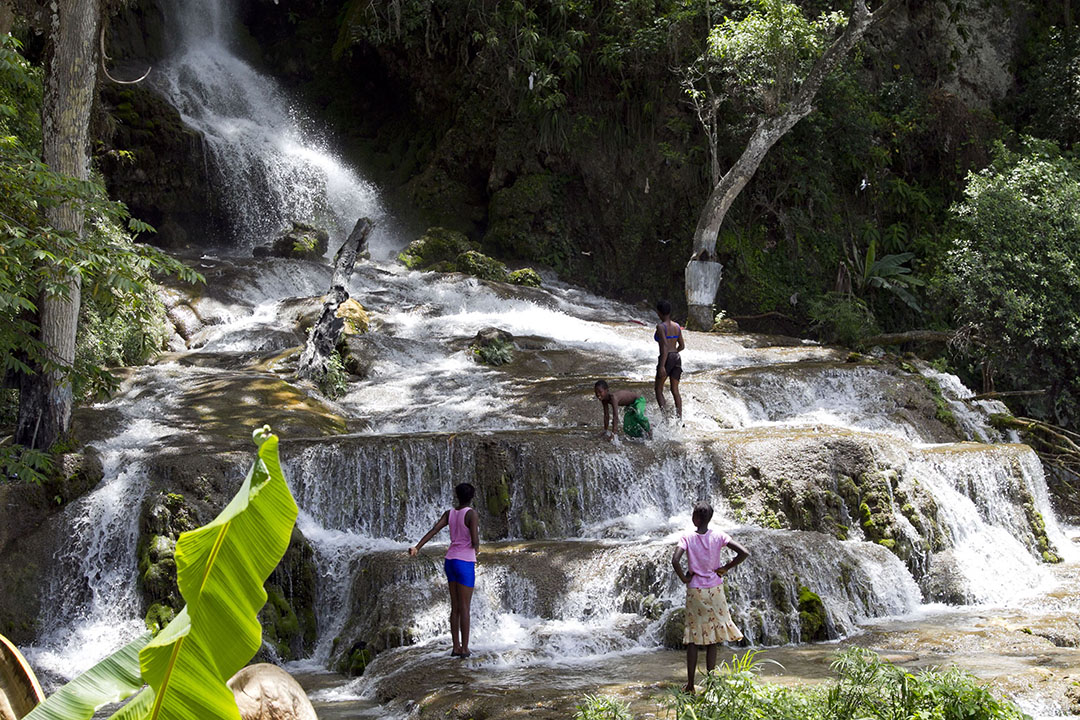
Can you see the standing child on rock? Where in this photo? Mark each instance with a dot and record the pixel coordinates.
(670, 338)
(635, 424)
(460, 563)
(708, 621)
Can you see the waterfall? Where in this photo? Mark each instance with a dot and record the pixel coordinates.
(91, 600)
(270, 163)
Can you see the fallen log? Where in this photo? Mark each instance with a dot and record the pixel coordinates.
(1006, 393)
(327, 329)
(922, 336)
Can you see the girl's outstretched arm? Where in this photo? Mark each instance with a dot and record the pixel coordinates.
(741, 554)
(472, 521)
(439, 525)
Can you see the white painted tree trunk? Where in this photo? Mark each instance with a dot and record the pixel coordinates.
(768, 131)
(45, 399)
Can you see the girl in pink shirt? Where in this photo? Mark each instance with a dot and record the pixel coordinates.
(708, 621)
(460, 563)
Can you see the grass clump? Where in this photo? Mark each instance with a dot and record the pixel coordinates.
(867, 688)
(601, 707)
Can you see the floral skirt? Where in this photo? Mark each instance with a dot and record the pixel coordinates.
(707, 618)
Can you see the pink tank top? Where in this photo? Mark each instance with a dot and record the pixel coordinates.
(460, 537)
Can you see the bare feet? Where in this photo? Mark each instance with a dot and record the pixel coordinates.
(688, 689)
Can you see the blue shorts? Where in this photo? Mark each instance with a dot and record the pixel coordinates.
(460, 571)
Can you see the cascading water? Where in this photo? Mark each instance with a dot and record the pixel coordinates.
(270, 165)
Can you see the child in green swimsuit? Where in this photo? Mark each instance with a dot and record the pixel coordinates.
(635, 424)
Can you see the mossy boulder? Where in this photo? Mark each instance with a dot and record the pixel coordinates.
(673, 629)
(476, 263)
(301, 241)
(525, 276)
(437, 249)
(165, 516)
(812, 625)
(355, 316)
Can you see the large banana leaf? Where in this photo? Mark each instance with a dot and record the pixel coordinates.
(113, 679)
(221, 568)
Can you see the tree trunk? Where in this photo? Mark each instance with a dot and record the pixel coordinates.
(768, 131)
(45, 399)
(324, 335)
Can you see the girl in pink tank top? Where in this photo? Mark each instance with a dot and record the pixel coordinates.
(460, 563)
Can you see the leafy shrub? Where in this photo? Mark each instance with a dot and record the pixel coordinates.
(600, 707)
(842, 318)
(1012, 276)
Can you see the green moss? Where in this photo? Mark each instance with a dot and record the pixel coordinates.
(525, 276)
(812, 625)
(498, 499)
(158, 616)
(942, 411)
(779, 592)
(476, 263)
(436, 245)
(769, 519)
(888, 543)
(526, 221)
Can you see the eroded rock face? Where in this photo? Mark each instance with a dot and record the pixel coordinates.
(266, 692)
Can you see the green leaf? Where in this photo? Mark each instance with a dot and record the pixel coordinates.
(221, 568)
(113, 679)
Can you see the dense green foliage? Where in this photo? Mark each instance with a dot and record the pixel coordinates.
(1012, 276)
(121, 319)
(221, 568)
(866, 688)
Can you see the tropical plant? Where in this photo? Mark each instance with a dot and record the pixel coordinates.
(841, 318)
(221, 568)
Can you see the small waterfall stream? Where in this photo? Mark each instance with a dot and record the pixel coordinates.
(787, 441)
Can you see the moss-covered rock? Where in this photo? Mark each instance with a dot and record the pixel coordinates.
(472, 262)
(812, 621)
(301, 241)
(674, 629)
(525, 276)
(165, 516)
(437, 245)
(355, 316)
(158, 616)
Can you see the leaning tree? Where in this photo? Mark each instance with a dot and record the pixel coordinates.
(777, 60)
